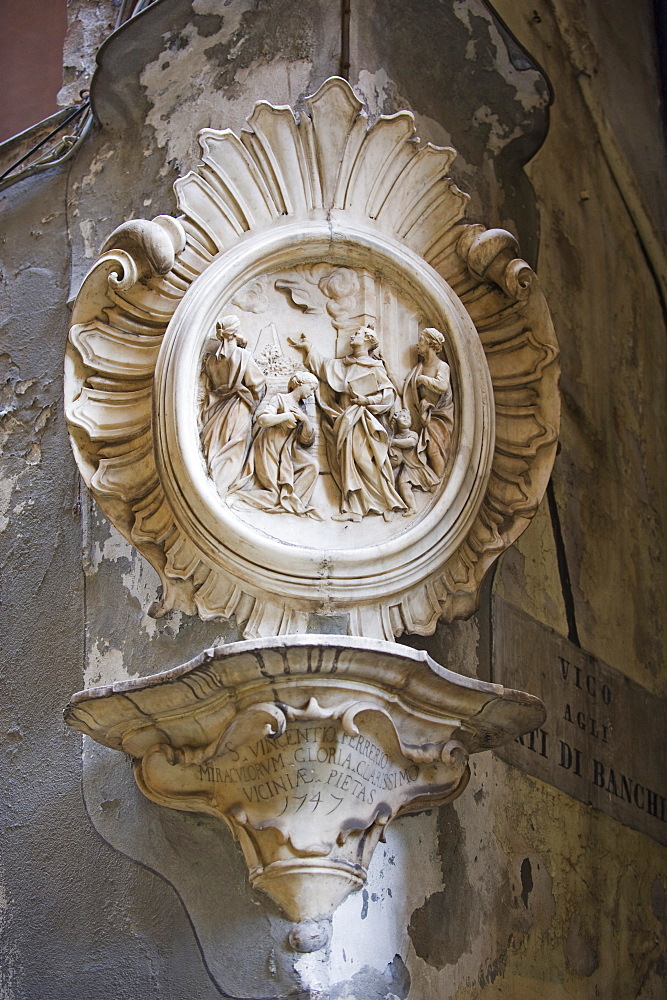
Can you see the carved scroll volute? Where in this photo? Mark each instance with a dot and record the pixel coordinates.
(135, 251)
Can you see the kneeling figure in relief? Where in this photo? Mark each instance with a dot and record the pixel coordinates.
(280, 474)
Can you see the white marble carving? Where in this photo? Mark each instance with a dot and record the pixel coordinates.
(317, 391)
(235, 385)
(430, 402)
(307, 747)
(411, 468)
(280, 471)
(318, 226)
(356, 398)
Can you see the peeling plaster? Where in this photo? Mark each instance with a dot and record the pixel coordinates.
(97, 165)
(469, 931)
(87, 229)
(185, 93)
(113, 566)
(368, 984)
(443, 928)
(10, 966)
(370, 928)
(370, 935)
(24, 418)
(499, 134)
(492, 108)
(104, 546)
(526, 80)
(102, 542)
(88, 24)
(104, 666)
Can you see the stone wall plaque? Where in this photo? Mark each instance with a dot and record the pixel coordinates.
(604, 738)
(319, 390)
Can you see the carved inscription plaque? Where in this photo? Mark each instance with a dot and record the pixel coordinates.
(310, 767)
(315, 794)
(307, 746)
(604, 737)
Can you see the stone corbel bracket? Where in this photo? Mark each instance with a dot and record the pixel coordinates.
(307, 747)
(287, 191)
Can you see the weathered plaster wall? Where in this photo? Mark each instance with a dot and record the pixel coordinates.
(59, 939)
(88, 25)
(516, 890)
(608, 308)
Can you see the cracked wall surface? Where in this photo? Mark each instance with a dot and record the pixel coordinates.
(516, 890)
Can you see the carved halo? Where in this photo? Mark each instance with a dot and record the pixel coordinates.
(284, 195)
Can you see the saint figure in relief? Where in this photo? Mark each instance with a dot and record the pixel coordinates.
(428, 396)
(235, 385)
(410, 471)
(280, 474)
(356, 397)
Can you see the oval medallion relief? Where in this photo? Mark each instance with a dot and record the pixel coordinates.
(318, 390)
(305, 458)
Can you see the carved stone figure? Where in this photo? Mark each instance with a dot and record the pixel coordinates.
(280, 475)
(235, 386)
(428, 397)
(356, 394)
(409, 469)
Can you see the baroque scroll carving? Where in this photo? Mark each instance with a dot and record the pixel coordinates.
(319, 389)
(307, 747)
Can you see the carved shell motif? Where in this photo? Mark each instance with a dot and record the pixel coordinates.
(281, 193)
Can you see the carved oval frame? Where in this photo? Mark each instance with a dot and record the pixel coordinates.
(330, 578)
(270, 195)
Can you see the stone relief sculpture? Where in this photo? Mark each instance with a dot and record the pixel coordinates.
(258, 438)
(280, 473)
(352, 226)
(356, 398)
(235, 386)
(410, 469)
(308, 744)
(429, 399)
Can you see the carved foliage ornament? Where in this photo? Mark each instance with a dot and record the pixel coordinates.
(318, 389)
